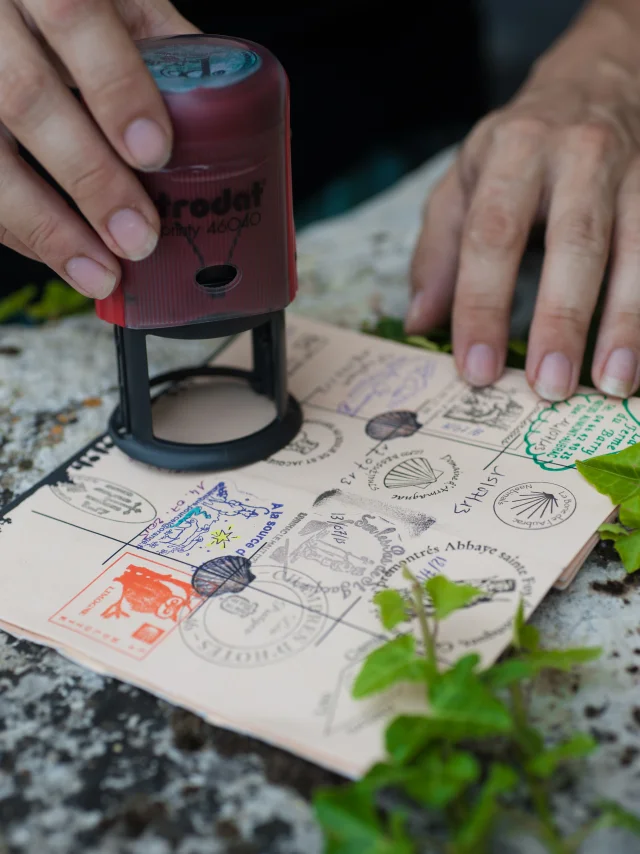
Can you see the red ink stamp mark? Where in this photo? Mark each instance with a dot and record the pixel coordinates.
(132, 606)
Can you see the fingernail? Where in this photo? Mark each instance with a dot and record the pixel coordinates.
(133, 234)
(413, 318)
(92, 279)
(147, 143)
(554, 377)
(619, 373)
(480, 365)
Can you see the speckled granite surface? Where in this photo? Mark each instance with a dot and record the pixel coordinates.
(88, 764)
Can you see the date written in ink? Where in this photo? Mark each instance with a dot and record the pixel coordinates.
(339, 532)
(481, 491)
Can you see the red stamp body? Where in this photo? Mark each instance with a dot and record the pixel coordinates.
(132, 606)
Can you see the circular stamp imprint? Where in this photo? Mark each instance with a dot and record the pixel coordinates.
(104, 499)
(535, 505)
(316, 441)
(276, 617)
(414, 474)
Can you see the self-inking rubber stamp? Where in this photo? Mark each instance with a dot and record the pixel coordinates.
(225, 262)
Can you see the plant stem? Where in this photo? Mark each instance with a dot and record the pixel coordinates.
(537, 789)
(428, 637)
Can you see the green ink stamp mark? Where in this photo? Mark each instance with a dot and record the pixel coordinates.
(584, 426)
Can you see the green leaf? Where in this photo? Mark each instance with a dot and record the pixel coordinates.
(614, 815)
(382, 775)
(508, 672)
(407, 735)
(393, 608)
(629, 513)
(421, 341)
(627, 544)
(393, 662)
(615, 475)
(437, 779)
(447, 596)
(562, 659)
(15, 304)
(476, 829)
(546, 763)
(351, 825)
(518, 347)
(459, 698)
(58, 300)
(525, 636)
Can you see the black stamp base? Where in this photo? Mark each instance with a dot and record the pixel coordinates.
(131, 423)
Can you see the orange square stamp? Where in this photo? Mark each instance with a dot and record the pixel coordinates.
(132, 606)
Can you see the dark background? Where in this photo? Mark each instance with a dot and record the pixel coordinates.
(376, 89)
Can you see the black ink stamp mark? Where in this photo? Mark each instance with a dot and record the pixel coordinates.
(104, 499)
(222, 575)
(414, 473)
(316, 442)
(535, 506)
(399, 423)
(489, 407)
(279, 616)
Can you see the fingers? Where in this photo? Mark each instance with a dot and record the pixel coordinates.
(38, 223)
(496, 229)
(95, 46)
(11, 242)
(435, 260)
(616, 363)
(577, 245)
(43, 115)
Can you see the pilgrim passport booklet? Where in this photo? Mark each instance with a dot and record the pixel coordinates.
(246, 596)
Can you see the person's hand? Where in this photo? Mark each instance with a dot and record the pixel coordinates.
(567, 150)
(90, 151)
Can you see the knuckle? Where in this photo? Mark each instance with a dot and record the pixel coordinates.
(64, 12)
(626, 317)
(120, 85)
(527, 129)
(594, 139)
(91, 180)
(481, 304)
(582, 231)
(494, 227)
(21, 90)
(42, 236)
(564, 319)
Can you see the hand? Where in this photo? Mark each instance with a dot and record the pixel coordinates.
(566, 150)
(89, 151)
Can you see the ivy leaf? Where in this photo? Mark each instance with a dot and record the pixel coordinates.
(518, 347)
(382, 775)
(393, 662)
(437, 780)
(629, 513)
(479, 824)
(525, 636)
(562, 659)
(351, 825)
(508, 672)
(627, 544)
(546, 763)
(407, 735)
(612, 530)
(615, 475)
(464, 705)
(393, 608)
(447, 596)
